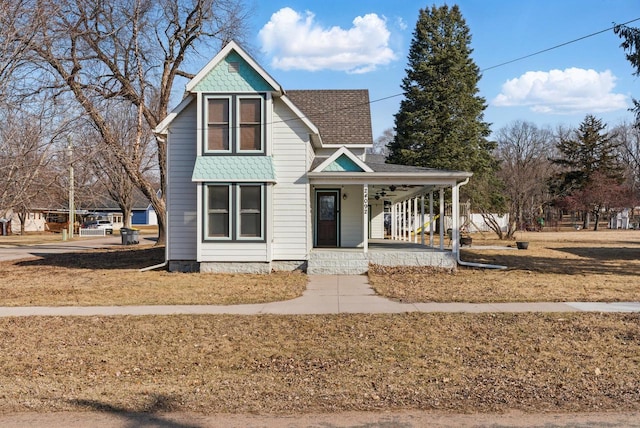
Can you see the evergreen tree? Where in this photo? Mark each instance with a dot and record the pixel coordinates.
(583, 153)
(587, 156)
(631, 45)
(440, 121)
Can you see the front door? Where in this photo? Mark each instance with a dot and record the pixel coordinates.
(327, 218)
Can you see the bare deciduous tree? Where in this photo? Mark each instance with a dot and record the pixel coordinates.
(27, 159)
(131, 51)
(523, 150)
(381, 144)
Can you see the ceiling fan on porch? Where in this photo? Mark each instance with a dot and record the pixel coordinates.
(382, 193)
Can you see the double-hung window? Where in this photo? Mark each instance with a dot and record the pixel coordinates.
(218, 124)
(235, 212)
(235, 124)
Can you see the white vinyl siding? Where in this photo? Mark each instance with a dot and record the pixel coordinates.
(233, 252)
(351, 220)
(182, 218)
(377, 218)
(291, 210)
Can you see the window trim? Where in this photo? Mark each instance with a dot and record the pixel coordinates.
(238, 127)
(238, 214)
(207, 212)
(229, 98)
(234, 212)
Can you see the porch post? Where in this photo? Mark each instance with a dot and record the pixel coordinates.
(431, 218)
(365, 218)
(455, 219)
(415, 220)
(399, 231)
(422, 219)
(404, 220)
(441, 194)
(393, 222)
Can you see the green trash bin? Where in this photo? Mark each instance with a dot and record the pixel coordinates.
(129, 236)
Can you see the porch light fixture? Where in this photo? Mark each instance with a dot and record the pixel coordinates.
(344, 196)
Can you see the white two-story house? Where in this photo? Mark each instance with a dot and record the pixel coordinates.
(263, 179)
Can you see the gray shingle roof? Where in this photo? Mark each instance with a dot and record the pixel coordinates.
(377, 164)
(343, 116)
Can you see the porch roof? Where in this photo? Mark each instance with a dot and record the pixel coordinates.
(386, 173)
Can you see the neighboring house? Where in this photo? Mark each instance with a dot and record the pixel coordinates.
(263, 179)
(142, 212)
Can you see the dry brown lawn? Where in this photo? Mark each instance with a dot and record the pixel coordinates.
(283, 364)
(113, 277)
(557, 266)
(574, 362)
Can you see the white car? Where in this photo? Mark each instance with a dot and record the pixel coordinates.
(100, 224)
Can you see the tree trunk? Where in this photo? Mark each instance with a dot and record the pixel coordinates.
(586, 220)
(23, 218)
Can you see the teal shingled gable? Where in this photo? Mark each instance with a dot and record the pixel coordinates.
(343, 164)
(221, 79)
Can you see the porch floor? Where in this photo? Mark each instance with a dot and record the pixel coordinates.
(385, 252)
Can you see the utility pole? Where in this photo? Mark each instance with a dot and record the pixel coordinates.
(72, 210)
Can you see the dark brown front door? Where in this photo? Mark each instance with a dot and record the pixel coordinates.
(327, 218)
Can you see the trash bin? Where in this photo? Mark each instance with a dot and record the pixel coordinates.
(129, 236)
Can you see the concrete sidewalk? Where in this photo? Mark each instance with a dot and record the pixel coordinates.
(325, 294)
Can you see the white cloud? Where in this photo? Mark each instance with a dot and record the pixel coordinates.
(297, 42)
(569, 91)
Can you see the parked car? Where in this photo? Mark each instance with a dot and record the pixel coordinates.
(100, 224)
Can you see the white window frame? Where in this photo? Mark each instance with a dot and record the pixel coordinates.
(262, 123)
(207, 236)
(229, 98)
(238, 213)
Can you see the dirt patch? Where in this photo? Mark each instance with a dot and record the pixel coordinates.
(279, 364)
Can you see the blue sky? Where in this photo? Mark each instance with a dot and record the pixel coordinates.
(354, 44)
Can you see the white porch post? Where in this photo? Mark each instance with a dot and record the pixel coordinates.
(404, 220)
(393, 222)
(455, 214)
(399, 221)
(441, 194)
(415, 220)
(431, 225)
(422, 219)
(365, 218)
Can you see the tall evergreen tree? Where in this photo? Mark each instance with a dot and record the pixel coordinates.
(440, 121)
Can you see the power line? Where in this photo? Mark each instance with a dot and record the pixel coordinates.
(531, 54)
(558, 46)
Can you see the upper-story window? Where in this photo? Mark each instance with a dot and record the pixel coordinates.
(235, 124)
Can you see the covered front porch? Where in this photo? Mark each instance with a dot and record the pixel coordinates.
(370, 212)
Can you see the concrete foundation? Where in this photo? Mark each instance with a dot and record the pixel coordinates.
(336, 261)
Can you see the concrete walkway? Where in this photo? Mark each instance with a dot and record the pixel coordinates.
(325, 294)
